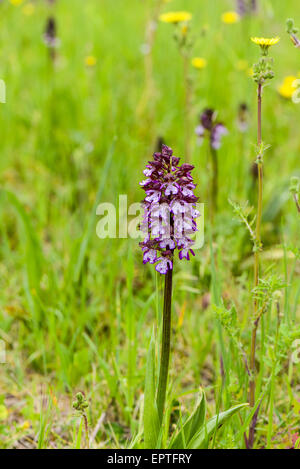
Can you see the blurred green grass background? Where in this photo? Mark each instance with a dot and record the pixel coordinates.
(77, 311)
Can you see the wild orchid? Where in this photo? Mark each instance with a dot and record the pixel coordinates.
(168, 224)
(169, 211)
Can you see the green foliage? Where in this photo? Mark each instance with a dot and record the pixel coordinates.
(266, 290)
(201, 439)
(263, 70)
(244, 212)
(290, 26)
(191, 427)
(151, 420)
(196, 433)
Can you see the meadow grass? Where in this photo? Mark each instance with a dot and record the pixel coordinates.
(77, 312)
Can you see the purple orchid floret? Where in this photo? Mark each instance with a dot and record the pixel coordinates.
(164, 265)
(209, 125)
(169, 210)
(207, 118)
(218, 131)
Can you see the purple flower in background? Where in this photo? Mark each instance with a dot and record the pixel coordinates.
(215, 130)
(169, 210)
(246, 7)
(50, 35)
(207, 118)
(218, 131)
(243, 118)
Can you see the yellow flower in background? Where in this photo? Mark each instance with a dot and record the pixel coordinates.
(288, 87)
(28, 9)
(175, 17)
(16, 2)
(199, 62)
(230, 17)
(265, 42)
(90, 61)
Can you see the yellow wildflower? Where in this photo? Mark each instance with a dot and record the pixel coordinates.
(28, 9)
(199, 62)
(265, 43)
(90, 61)
(230, 17)
(288, 87)
(16, 2)
(175, 17)
(250, 72)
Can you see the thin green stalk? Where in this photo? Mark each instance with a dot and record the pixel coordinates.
(256, 260)
(165, 346)
(272, 385)
(214, 184)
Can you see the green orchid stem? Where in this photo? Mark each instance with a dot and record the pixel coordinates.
(256, 263)
(214, 183)
(165, 346)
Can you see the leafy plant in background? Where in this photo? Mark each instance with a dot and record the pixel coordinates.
(262, 72)
(292, 31)
(80, 404)
(263, 288)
